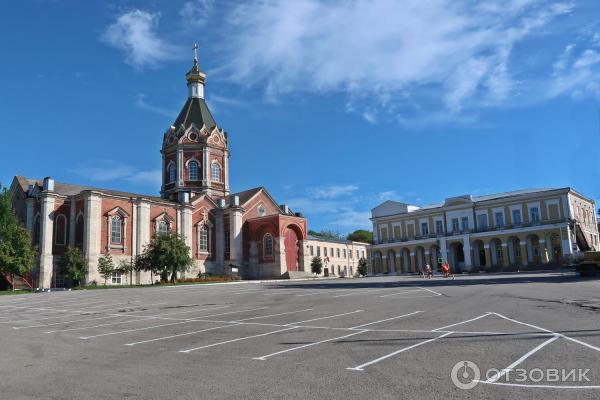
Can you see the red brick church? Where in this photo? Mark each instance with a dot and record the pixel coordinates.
(247, 230)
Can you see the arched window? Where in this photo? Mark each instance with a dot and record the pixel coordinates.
(203, 239)
(172, 173)
(162, 227)
(215, 172)
(79, 230)
(268, 245)
(115, 230)
(60, 234)
(193, 170)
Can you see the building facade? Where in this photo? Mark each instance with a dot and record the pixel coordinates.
(246, 230)
(514, 229)
(340, 257)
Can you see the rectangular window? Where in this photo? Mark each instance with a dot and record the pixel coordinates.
(115, 277)
(465, 224)
(439, 227)
(534, 214)
(499, 219)
(203, 239)
(318, 251)
(350, 254)
(455, 226)
(344, 253)
(324, 251)
(115, 230)
(331, 252)
(312, 250)
(338, 253)
(516, 217)
(424, 229)
(482, 222)
(384, 234)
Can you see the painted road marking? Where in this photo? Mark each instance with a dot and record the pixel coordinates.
(237, 340)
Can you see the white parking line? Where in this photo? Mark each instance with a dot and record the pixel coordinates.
(403, 292)
(520, 360)
(263, 358)
(180, 334)
(354, 292)
(187, 321)
(273, 315)
(320, 318)
(387, 319)
(362, 366)
(460, 323)
(432, 291)
(66, 322)
(237, 340)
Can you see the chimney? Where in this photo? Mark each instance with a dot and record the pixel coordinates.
(285, 208)
(299, 215)
(234, 200)
(221, 203)
(48, 184)
(30, 190)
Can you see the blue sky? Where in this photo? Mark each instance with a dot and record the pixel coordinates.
(333, 106)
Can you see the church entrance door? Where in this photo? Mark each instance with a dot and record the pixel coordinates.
(291, 249)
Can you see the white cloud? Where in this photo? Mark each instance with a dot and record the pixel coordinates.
(135, 33)
(112, 171)
(197, 12)
(576, 72)
(332, 191)
(143, 104)
(393, 57)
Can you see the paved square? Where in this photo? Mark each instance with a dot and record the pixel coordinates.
(377, 338)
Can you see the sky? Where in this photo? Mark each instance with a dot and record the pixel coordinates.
(333, 106)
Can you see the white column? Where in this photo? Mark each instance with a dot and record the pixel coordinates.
(142, 228)
(72, 216)
(444, 249)
(179, 167)
(567, 241)
(46, 229)
(186, 226)
(226, 170)
(92, 232)
(219, 240)
(235, 234)
(206, 169)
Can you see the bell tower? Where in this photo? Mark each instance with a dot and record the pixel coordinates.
(195, 151)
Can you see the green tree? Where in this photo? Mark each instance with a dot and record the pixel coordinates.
(128, 267)
(166, 254)
(362, 267)
(316, 265)
(361, 235)
(73, 265)
(17, 255)
(106, 266)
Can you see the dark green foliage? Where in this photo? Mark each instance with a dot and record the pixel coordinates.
(362, 267)
(73, 265)
(16, 253)
(316, 265)
(361, 235)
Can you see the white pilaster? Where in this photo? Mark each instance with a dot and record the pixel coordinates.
(179, 167)
(235, 232)
(226, 170)
(185, 229)
(467, 252)
(46, 229)
(219, 240)
(92, 231)
(567, 241)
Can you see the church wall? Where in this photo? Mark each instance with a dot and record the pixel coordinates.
(156, 210)
(109, 204)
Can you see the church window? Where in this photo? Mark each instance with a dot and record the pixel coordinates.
(216, 172)
(115, 230)
(268, 245)
(193, 170)
(203, 239)
(162, 227)
(36, 230)
(61, 230)
(172, 173)
(261, 210)
(115, 277)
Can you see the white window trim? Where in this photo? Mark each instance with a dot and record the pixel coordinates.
(169, 180)
(116, 212)
(552, 202)
(212, 178)
(199, 174)
(533, 205)
(199, 226)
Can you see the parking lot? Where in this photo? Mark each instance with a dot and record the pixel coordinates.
(378, 338)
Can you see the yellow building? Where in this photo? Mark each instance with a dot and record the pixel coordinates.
(499, 231)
